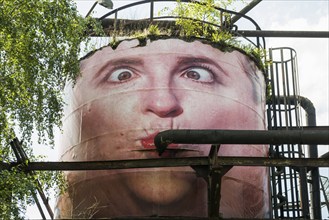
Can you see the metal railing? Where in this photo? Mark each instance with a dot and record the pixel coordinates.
(115, 24)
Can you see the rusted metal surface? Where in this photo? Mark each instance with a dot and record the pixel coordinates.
(214, 180)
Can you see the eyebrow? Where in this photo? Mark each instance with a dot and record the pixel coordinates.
(185, 60)
(119, 61)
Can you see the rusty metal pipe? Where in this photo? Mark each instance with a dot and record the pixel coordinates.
(163, 139)
(178, 162)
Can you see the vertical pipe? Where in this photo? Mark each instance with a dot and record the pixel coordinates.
(151, 11)
(292, 182)
(115, 25)
(270, 121)
(282, 178)
(308, 106)
(294, 101)
(284, 87)
(304, 193)
(278, 102)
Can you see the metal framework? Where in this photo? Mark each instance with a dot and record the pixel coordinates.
(211, 168)
(293, 170)
(116, 27)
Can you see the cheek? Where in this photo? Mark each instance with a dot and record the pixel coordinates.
(222, 112)
(111, 114)
(94, 120)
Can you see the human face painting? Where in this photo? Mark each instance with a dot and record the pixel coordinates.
(124, 97)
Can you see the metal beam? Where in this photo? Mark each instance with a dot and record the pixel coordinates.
(179, 162)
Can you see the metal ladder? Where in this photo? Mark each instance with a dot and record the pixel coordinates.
(324, 181)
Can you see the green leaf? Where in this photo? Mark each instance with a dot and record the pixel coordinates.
(39, 48)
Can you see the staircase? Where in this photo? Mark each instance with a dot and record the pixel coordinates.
(324, 181)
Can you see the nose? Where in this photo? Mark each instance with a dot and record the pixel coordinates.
(163, 102)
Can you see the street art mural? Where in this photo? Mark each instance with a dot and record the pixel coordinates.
(127, 94)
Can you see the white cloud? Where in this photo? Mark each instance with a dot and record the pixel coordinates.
(312, 56)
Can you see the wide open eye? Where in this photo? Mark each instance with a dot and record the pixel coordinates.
(199, 74)
(120, 75)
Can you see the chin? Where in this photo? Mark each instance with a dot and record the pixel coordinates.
(162, 186)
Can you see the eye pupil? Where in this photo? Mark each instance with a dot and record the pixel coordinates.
(124, 75)
(193, 75)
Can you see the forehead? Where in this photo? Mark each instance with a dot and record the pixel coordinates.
(170, 47)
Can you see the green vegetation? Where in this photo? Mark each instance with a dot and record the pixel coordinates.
(203, 20)
(196, 19)
(39, 48)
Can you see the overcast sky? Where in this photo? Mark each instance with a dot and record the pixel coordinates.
(312, 54)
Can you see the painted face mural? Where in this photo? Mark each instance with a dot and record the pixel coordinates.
(125, 96)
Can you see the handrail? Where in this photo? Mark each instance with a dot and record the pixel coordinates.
(151, 18)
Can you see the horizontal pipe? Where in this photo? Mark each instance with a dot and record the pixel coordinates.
(164, 138)
(309, 128)
(179, 162)
(276, 33)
